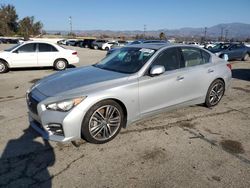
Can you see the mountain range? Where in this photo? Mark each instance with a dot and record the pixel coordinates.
(228, 30)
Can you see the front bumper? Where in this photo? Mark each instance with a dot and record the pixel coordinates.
(45, 121)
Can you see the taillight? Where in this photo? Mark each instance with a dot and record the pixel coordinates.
(229, 66)
(74, 53)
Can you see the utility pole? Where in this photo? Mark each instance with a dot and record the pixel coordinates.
(221, 33)
(205, 34)
(226, 35)
(144, 30)
(70, 24)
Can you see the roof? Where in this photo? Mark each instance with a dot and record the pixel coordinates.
(154, 46)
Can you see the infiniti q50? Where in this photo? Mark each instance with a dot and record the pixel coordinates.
(95, 102)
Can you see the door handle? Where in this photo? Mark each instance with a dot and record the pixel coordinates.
(210, 70)
(180, 78)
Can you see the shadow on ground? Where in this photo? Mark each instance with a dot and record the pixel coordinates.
(24, 162)
(38, 68)
(241, 74)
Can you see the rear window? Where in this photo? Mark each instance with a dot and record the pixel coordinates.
(46, 48)
(194, 56)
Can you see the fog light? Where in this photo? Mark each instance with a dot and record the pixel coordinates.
(55, 129)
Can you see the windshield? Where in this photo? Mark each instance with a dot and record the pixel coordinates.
(221, 46)
(12, 48)
(126, 60)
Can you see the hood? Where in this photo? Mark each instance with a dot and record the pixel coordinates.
(4, 53)
(65, 81)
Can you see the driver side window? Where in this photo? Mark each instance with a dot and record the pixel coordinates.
(27, 48)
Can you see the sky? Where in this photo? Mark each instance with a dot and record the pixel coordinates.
(132, 14)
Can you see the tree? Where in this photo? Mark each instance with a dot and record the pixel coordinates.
(8, 20)
(162, 36)
(28, 27)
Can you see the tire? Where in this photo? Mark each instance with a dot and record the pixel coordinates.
(215, 93)
(246, 57)
(3, 67)
(96, 125)
(96, 47)
(107, 48)
(86, 46)
(60, 64)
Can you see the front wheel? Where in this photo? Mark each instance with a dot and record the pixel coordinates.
(60, 64)
(215, 93)
(103, 122)
(3, 67)
(96, 47)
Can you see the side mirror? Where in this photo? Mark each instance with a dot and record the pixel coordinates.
(225, 57)
(157, 70)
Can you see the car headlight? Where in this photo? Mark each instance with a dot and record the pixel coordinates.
(65, 105)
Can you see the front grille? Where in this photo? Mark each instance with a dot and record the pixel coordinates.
(32, 103)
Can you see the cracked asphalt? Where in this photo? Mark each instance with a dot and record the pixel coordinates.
(189, 147)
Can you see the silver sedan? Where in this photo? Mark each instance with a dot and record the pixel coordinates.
(95, 102)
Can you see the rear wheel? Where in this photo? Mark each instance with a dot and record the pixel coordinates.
(60, 64)
(103, 122)
(246, 57)
(215, 93)
(3, 66)
(96, 47)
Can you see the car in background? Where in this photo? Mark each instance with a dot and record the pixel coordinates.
(196, 44)
(209, 46)
(61, 42)
(95, 102)
(86, 43)
(114, 48)
(71, 42)
(233, 50)
(9, 40)
(97, 44)
(107, 46)
(37, 54)
(147, 41)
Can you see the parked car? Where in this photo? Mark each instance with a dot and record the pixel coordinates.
(115, 47)
(233, 50)
(63, 41)
(197, 44)
(71, 42)
(9, 41)
(86, 43)
(107, 46)
(37, 54)
(95, 102)
(97, 44)
(209, 46)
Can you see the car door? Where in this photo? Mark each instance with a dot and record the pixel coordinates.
(25, 56)
(236, 51)
(198, 73)
(164, 90)
(47, 54)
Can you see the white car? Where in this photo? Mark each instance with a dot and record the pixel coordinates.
(37, 54)
(107, 45)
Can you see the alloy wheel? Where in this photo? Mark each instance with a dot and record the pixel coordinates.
(104, 122)
(216, 93)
